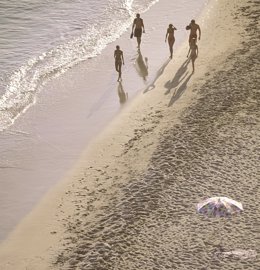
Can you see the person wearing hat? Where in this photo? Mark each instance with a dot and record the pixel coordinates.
(171, 38)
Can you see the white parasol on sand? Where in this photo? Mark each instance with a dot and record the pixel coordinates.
(219, 207)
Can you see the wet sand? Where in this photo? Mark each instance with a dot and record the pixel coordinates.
(70, 110)
(131, 201)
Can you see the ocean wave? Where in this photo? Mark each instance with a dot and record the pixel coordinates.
(25, 82)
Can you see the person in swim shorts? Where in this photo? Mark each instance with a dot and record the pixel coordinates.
(193, 27)
(138, 28)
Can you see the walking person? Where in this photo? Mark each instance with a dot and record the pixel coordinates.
(138, 29)
(171, 38)
(193, 27)
(194, 53)
(119, 60)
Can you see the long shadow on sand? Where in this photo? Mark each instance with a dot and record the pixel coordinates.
(141, 65)
(178, 93)
(158, 74)
(123, 96)
(178, 77)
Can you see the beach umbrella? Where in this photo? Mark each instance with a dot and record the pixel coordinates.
(219, 207)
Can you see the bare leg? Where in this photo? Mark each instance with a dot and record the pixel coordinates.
(138, 41)
(119, 72)
(193, 66)
(171, 42)
(116, 66)
(171, 51)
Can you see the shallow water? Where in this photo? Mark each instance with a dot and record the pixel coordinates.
(42, 39)
(67, 109)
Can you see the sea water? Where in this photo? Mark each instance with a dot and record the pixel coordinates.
(58, 84)
(42, 39)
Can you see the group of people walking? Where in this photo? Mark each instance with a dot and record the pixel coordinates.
(138, 30)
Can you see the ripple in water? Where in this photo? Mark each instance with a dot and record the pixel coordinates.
(74, 45)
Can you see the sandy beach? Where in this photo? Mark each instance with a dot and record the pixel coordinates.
(70, 110)
(130, 202)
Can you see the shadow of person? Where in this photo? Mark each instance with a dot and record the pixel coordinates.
(178, 93)
(178, 77)
(158, 74)
(141, 65)
(123, 96)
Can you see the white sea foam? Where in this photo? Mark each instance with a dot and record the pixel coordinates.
(21, 91)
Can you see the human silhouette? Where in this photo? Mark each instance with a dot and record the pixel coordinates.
(119, 60)
(171, 38)
(141, 65)
(193, 27)
(138, 29)
(194, 53)
(180, 90)
(178, 77)
(123, 96)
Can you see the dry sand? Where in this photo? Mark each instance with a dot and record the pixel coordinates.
(130, 203)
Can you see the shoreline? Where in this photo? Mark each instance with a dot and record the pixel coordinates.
(115, 210)
(71, 110)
